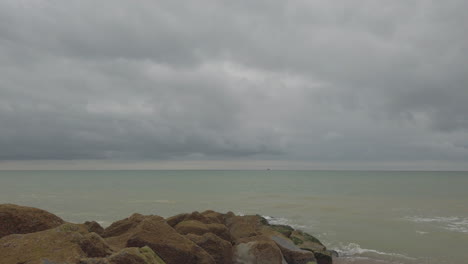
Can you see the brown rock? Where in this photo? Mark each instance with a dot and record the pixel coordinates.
(15, 219)
(122, 226)
(213, 216)
(207, 217)
(67, 243)
(94, 245)
(293, 254)
(93, 226)
(244, 226)
(257, 252)
(199, 228)
(218, 248)
(173, 248)
(144, 255)
(191, 227)
(174, 220)
(311, 243)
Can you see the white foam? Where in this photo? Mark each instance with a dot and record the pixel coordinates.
(282, 221)
(353, 249)
(452, 223)
(421, 232)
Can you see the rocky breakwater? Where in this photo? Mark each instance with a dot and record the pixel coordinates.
(33, 236)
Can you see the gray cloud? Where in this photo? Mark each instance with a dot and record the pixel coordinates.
(278, 80)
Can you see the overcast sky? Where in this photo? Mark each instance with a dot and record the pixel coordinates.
(234, 84)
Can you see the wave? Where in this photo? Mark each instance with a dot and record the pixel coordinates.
(452, 223)
(354, 249)
(282, 221)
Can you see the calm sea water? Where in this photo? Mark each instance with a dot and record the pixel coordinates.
(397, 217)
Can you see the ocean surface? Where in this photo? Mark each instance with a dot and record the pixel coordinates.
(367, 216)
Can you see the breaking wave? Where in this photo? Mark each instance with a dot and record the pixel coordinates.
(282, 221)
(353, 249)
(452, 223)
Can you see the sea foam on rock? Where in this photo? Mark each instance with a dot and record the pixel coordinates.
(35, 236)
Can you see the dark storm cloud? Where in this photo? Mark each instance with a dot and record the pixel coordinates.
(291, 80)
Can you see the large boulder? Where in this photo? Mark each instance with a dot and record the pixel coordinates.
(15, 219)
(257, 252)
(206, 217)
(218, 248)
(95, 227)
(308, 242)
(292, 253)
(199, 228)
(244, 226)
(154, 232)
(144, 255)
(67, 243)
(122, 226)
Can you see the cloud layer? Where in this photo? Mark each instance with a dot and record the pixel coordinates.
(318, 81)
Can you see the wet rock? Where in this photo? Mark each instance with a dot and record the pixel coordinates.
(324, 257)
(285, 230)
(308, 242)
(257, 252)
(15, 219)
(218, 248)
(292, 253)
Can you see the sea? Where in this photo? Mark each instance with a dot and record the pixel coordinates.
(405, 217)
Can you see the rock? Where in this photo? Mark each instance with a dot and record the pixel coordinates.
(15, 219)
(304, 240)
(214, 217)
(207, 217)
(93, 226)
(94, 245)
(285, 230)
(199, 228)
(67, 243)
(324, 257)
(122, 226)
(308, 242)
(257, 252)
(292, 253)
(174, 220)
(144, 255)
(244, 226)
(172, 247)
(191, 227)
(218, 248)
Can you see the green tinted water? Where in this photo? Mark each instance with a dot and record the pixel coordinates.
(401, 217)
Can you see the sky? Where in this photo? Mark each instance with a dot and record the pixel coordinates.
(297, 84)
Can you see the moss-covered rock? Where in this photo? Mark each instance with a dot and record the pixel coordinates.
(15, 219)
(67, 243)
(144, 255)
